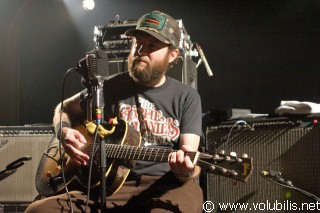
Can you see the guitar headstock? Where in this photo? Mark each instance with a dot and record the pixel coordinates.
(230, 166)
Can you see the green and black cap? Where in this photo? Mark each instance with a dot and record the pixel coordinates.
(160, 25)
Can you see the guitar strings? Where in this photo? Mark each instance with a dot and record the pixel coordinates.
(118, 151)
(143, 153)
(121, 149)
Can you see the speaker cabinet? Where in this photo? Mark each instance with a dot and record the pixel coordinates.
(17, 144)
(287, 145)
(184, 71)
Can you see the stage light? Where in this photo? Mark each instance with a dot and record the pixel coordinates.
(88, 4)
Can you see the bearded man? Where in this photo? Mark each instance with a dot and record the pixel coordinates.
(166, 112)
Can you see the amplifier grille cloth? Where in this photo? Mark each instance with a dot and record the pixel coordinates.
(293, 151)
(20, 186)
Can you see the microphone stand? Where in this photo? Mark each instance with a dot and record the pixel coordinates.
(95, 102)
(94, 71)
(99, 108)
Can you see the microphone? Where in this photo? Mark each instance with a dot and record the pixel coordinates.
(82, 69)
(97, 64)
(93, 67)
(270, 173)
(203, 58)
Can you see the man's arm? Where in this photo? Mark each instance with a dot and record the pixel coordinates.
(72, 140)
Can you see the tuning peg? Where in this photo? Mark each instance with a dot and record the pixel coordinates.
(244, 155)
(233, 154)
(217, 157)
(234, 173)
(212, 168)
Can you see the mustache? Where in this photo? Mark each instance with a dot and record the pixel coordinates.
(139, 58)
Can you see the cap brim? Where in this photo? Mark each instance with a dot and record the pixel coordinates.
(133, 32)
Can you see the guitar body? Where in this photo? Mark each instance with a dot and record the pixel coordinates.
(49, 179)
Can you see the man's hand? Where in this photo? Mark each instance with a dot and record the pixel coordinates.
(181, 164)
(72, 141)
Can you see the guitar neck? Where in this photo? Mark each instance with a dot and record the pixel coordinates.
(126, 152)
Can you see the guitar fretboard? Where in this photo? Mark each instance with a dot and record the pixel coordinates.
(140, 153)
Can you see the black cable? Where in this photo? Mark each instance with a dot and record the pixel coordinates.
(237, 124)
(93, 152)
(60, 133)
(226, 146)
(60, 147)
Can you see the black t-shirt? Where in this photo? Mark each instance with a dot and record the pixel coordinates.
(160, 114)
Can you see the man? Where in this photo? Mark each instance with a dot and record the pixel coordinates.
(166, 112)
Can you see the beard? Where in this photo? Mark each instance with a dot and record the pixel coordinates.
(146, 73)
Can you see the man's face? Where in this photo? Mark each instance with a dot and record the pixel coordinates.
(149, 59)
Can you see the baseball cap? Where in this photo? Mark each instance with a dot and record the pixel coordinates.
(159, 25)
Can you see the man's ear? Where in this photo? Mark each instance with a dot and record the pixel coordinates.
(173, 55)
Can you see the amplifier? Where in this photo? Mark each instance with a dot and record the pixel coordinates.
(112, 38)
(21, 148)
(289, 146)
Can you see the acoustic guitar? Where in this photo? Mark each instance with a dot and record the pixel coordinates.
(122, 151)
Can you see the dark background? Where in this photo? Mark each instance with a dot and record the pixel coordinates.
(261, 52)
